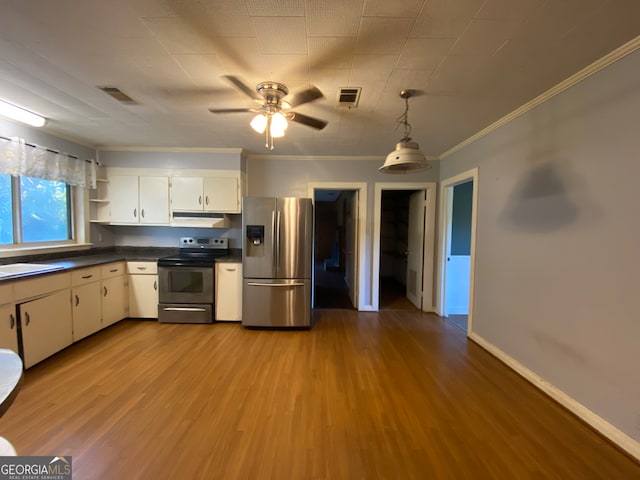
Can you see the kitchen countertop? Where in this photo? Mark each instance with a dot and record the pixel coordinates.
(93, 257)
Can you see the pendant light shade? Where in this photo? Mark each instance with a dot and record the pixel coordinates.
(407, 157)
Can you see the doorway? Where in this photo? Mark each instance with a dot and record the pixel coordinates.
(338, 244)
(458, 199)
(403, 250)
(333, 247)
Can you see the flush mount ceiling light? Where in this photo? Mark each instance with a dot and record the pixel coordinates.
(407, 157)
(20, 114)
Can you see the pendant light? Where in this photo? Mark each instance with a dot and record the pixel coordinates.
(407, 157)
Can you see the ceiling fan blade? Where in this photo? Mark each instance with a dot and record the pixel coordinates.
(232, 110)
(306, 120)
(240, 85)
(305, 96)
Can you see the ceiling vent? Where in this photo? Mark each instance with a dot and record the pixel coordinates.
(117, 94)
(348, 97)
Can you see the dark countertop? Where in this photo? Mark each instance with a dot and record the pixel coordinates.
(100, 256)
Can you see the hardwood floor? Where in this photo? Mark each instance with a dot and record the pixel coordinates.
(389, 395)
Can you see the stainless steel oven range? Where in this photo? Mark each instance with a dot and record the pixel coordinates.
(186, 281)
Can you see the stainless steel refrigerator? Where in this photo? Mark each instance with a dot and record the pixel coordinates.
(276, 261)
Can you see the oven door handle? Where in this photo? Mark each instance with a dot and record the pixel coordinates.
(258, 284)
(183, 309)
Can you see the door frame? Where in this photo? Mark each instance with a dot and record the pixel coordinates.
(428, 269)
(446, 214)
(361, 226)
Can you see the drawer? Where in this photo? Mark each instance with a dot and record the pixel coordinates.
(39, 286)
(112, 270)
(6, 292)
(85, 275)
(142, 268)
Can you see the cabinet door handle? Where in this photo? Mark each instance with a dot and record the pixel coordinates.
(155, 285)
(114, 270)
(12, 321)
(87, 276)
(27, 318)
(135, 213)
(141, 268)
(200, 200)
(206, 199)
(77, 300)
(230, 269)
(142, 212)
(104, 289)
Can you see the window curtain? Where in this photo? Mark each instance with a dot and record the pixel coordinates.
(17, 158)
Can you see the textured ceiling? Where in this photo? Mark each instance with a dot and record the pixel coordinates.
(474, 60)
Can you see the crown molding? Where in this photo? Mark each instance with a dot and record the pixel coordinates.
(115, 148)
(586, 72)
(342, 158)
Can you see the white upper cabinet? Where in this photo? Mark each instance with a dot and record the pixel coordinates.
(221, 194)
(186, 194)
(135, 199)
(208, 194)
(154, 200)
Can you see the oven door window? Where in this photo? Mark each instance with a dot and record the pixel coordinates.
(186, 281)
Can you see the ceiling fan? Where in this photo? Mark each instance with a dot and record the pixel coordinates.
(275, 110)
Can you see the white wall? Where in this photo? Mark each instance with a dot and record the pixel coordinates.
(558, 262)
(290, 177)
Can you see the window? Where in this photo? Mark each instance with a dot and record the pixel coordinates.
(34, 211)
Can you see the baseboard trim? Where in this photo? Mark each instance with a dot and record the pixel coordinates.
(621, 439)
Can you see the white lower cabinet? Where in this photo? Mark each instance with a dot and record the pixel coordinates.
(8, 327)
(143, 289)
(8, 322)
(86, 302)
(228, 298)
(46, 326)
(114, 300)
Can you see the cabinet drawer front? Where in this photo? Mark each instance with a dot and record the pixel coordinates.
(112, 270)
(6, 292)
(41, 285)
(142, 268)
(85, 275)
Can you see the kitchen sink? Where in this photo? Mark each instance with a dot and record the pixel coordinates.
(18, 268)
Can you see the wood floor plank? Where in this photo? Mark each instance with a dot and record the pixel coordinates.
(363, 395)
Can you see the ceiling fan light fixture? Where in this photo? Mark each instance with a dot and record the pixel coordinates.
(406, 157)
(259, 123)
(278, 123)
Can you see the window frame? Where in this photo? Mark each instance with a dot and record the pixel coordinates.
(75, 212)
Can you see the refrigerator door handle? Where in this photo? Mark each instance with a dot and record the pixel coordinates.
(258, 284)
(277, 242)
(274, 242)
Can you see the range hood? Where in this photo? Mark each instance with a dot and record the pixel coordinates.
(199, 220)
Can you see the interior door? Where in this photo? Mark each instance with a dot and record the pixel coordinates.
(351, 253)
(415, 246)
